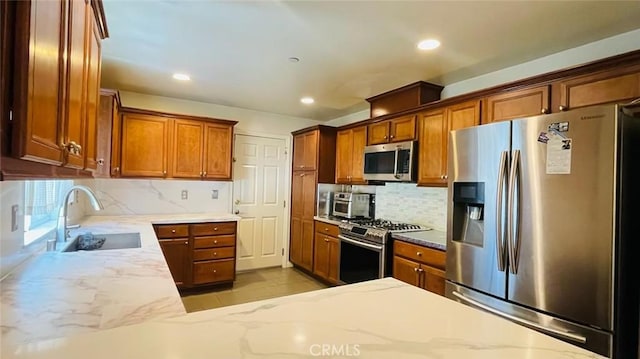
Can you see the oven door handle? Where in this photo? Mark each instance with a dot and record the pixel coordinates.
(360, 244)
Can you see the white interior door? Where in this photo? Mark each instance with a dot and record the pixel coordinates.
(258, 197)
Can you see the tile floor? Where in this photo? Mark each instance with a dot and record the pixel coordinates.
(251, 286)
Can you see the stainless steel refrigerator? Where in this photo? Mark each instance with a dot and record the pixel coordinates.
(544, 224)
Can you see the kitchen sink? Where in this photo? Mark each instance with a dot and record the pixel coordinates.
(112, 241)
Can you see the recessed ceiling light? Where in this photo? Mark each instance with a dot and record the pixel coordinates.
(429, 44)
(181, 77)
(307, 100)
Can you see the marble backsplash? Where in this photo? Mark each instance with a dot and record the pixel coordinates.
(406, 202)
(129, 196)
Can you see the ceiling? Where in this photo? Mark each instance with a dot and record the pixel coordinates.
(236, 52)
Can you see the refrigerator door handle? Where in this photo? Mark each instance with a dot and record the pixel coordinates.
(567, 335)
(500, 245)
(513, 243)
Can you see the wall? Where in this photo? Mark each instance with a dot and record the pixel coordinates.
(248, 120)
(12, 249)
(138, 196)
(408, 203)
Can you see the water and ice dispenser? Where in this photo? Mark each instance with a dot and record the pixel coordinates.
(468, 212)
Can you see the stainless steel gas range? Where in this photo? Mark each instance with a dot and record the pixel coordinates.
(366, 248)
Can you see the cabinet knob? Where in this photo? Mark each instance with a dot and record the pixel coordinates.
(101, 162)
(164, 173)
(200, 173)
(544, 110)
(442, 177)
(215, 254)
(72, 147)
(204, 174)
(326, 229)
(302, 175)
(186, 243)
(173, 231)
(215, 271)
(385, 137)
(117, 169)
(326, 239)
(446, 177)
(391, 136)
(215, 228)
(419, 254)
(563, 108)
(415, 269)
(301, 166)
(215, 241)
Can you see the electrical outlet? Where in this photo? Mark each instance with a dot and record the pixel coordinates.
(184, 194)
(214, 194)
(14, 217)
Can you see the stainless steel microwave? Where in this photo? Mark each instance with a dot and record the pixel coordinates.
(391, 162)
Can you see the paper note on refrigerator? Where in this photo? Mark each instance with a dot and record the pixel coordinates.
(559, 155)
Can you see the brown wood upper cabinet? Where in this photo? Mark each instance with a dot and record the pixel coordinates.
(109, 130)
(145, 144)
(175, 147)
(350, 146)
(394, 130)
(434, 130)
(516, 104)
(56, 75)
(305, 152)
(617, 85)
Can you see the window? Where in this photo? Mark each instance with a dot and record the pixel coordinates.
(42, 200)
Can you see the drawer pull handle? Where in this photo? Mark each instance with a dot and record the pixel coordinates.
(215, 254)
(215, 228)
(186, 242)
(215, 241)
(214, 271)
(173, 231)
(419, 254)
(326, 229)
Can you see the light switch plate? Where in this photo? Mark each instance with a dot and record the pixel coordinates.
(214, 194)
(184, 194)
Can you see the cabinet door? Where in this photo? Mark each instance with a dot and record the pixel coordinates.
(309, 194)
(311, 150)
(298, 152)
(295, 242)
(297, 194)
(403, 129)
(38, 97)
(334, 260)
(604, 87)
(176, 253)
(74, 132)
(378, 133)
(93, 95)
(463, 115)
(433, 148)
(406, 271)
(344, 156)
(307, 244)
(105, 135)
(187, 149)
(218, 141)
(321, 255)
(357, 155)
(433, 279)
(516, 104)
(144, 146)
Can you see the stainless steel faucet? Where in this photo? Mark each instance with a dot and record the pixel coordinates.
(62, 231)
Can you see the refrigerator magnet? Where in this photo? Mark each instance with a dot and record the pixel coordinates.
(543, 138)
(559, 155)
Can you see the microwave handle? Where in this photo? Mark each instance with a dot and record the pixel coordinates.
(395, 164)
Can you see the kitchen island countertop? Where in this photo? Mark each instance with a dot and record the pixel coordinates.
(382, 318)
(58, 294)
(432, 238)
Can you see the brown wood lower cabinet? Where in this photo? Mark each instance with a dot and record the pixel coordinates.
(199, 254)
(419, 266)
(326, 252)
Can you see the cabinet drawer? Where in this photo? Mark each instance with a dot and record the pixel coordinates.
(421, 254)
(213, 253)
(214, 228)
(213, 271)
(214, 241)
(328, 229)
(171, 230)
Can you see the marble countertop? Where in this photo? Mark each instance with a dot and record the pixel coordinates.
(345, 320)
(58, 294)
(433, 239)
(330, 219)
